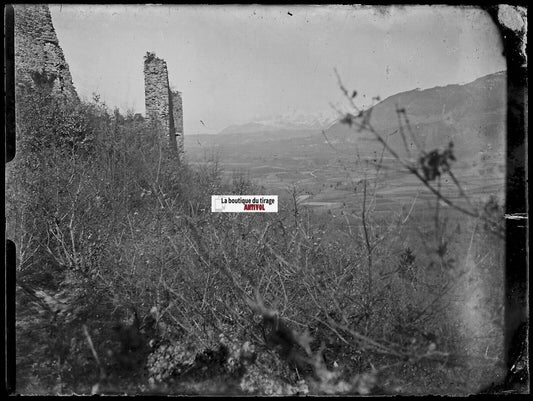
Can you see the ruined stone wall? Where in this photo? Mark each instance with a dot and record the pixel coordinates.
(39, 60)
(156, 97)
(163, 107)
(177, 113)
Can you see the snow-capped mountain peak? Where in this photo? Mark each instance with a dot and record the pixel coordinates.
(292, 119)
(298, 119)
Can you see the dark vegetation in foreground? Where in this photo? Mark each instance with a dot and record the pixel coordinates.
(127, 283)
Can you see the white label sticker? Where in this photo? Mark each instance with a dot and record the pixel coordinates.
(244, 203)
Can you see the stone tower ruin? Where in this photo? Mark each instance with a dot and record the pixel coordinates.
(164, 107)
(177, 115)
(39, 60)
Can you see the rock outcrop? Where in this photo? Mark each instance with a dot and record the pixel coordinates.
(39, 60)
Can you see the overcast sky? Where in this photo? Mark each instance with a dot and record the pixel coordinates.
(237, 63)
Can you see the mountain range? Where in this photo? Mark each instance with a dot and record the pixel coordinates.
(292, 119)
(472, 115)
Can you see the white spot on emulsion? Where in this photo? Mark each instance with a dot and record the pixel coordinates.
(513, 17)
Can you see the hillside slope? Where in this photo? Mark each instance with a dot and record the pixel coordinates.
(472, 115)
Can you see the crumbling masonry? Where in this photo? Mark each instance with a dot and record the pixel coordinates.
(39, 60)
(164, 107)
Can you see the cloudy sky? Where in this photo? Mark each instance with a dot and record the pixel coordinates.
(235, 64)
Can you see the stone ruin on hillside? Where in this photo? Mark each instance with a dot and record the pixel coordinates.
(39, 60)
(163, 106)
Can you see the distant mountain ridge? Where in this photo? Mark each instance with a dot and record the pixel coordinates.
(246, 128)
(290, 120)
(472, 115)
